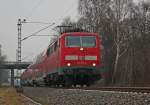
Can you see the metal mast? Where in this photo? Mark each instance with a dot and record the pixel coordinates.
(19, 40)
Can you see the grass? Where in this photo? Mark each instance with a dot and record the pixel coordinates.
(9, 96)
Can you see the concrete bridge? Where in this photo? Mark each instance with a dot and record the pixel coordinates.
(14, 65)
(11, 65)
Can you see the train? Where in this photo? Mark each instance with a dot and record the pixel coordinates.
(73, 58)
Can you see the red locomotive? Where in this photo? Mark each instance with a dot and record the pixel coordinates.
(74, 58)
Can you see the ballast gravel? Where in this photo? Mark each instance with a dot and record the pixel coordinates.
(52, 96)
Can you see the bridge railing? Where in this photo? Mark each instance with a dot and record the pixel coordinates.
(14, 65)
(14, 62)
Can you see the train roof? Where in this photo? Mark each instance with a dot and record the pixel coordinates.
(78, 33)
(75, 30)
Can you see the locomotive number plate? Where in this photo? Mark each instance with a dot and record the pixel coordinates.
(81, 62)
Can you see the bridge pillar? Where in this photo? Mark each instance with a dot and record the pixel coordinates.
(12, 77)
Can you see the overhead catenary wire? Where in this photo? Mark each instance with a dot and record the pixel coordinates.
(66, 12)
(28, 56)
(63, 16)
(34, 34)
(46, 27)
(60, 19)
(40, 2)
(34, 8)
(36, 22)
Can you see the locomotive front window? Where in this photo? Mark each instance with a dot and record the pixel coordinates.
(80, 41)
(73, 41)
(88, 41)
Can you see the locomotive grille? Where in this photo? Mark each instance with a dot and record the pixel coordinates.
(81, 57)
(75, 57)
(71, 57)
(90, 57)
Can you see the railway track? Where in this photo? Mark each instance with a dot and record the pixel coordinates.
(89, 95)
(29, 101)
(121, 89)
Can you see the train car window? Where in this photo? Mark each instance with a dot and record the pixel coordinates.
(88, 41)
(58, 43)
(52, 49)
(39, 58)
(48, 51)
(73, 41)
(55, 45)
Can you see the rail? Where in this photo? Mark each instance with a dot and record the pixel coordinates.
(121, 89)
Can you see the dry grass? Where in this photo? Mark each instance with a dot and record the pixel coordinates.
(8, 96)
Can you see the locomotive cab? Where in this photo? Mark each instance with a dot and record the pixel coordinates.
(80, 55)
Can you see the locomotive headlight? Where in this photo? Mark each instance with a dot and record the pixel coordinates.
(94, 64)
(81, 49)
(71, 57)
(68, 64)
(87, 57)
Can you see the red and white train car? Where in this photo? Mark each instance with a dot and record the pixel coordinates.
(74, 58)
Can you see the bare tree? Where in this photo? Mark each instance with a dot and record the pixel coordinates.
(3, 73)
(124, 28)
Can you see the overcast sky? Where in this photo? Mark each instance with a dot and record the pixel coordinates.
(32, 10)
